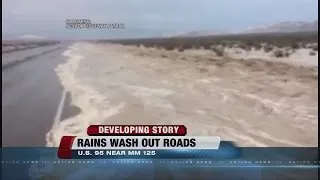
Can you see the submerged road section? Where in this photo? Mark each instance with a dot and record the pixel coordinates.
(255, 103)
(31, 93)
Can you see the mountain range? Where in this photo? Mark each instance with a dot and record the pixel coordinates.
(284, 26)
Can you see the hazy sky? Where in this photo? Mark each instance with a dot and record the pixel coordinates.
(149, 17)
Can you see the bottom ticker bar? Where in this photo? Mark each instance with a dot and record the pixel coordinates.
(151, 154)
(252, 163)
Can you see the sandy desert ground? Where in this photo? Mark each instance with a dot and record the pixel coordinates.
(249, 101)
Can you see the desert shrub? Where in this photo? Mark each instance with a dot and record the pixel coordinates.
(295, 45)
(268, 48)
(206, 46)
(292, 40)
(163, 55)
(242, 46)
(223, 44)
(257, 46)
(197, 46)
(312, 53)
(248, 48)
(218, 51)
(249, 43)
(181, 49)
(288, 49)
(315, 47)
(148, 45)
(226, 43)
(169, 47)
(230, 45)
(160, 47)
(278, 53)
(309, 46)
(156, 46)
(303, 45)
(286, 54)
(238, 52)
(187, 46)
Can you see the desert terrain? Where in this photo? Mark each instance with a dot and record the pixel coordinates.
(256, 93)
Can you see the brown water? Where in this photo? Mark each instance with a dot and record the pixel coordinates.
(255, 103)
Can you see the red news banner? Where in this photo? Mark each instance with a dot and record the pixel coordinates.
(116, 139)
(65, 147)
(137, 130)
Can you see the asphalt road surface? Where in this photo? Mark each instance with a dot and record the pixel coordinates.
(31, 93)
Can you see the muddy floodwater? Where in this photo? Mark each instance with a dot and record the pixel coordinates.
(251, 102)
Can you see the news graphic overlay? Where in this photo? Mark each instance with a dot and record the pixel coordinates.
(108, 149)
(129, 146)
(88, 24)
(136, 130)
(132, 141)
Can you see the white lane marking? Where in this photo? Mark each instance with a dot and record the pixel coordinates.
(57, 118)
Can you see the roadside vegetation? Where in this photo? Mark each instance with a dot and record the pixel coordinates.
(280, 44)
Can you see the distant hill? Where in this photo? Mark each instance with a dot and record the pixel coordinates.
(285, 26)
(31, 37)
(203, 33)
(26, 37)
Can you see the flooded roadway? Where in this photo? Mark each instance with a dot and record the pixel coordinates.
(254, 103)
